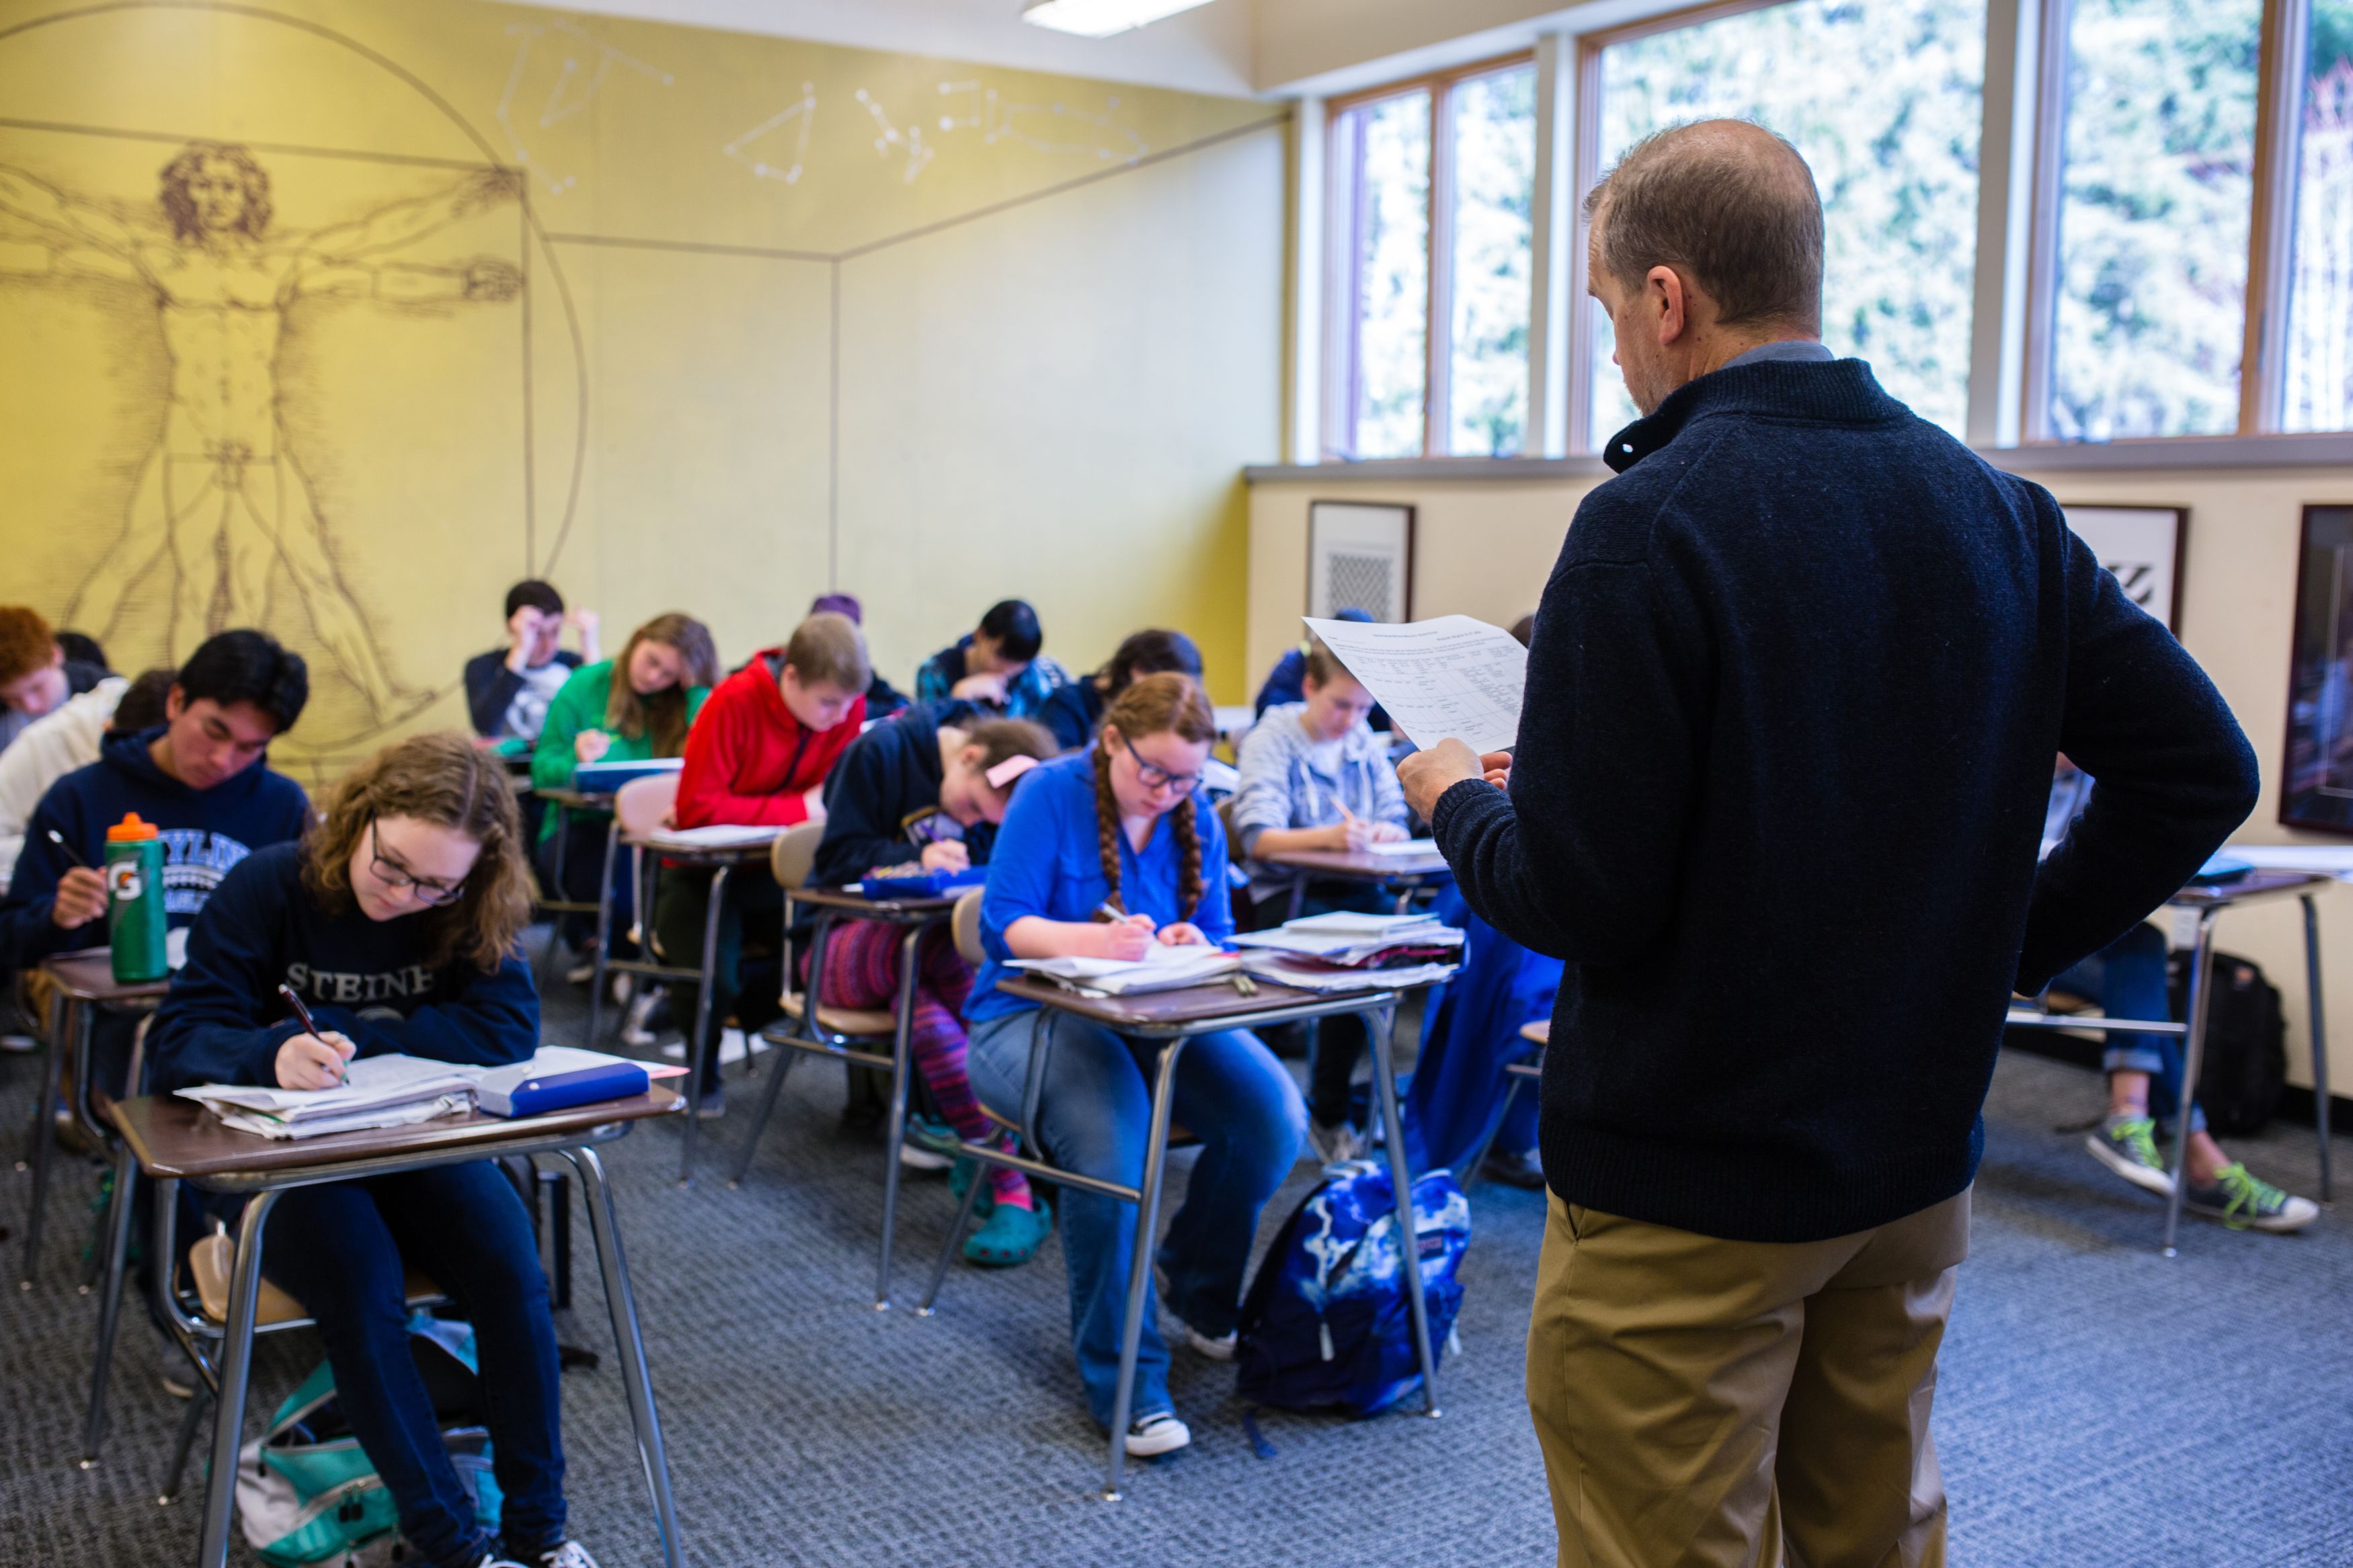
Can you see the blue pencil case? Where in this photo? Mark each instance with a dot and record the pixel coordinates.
(520, 1090)
(924, 885)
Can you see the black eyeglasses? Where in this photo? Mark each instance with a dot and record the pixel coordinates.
(1155, 777)
(395, 875)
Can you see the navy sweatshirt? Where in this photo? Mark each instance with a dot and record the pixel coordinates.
(205, 833)
(888, 779)
(373, 980)
(1785, 979)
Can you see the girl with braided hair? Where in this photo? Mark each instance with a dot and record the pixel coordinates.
(1121, 827)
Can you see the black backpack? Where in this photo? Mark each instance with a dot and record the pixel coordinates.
(2245, 1069)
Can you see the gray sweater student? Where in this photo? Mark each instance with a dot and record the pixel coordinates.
(1315, 776)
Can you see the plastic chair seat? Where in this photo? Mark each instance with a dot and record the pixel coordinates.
(212, 1259)
(864, 1023)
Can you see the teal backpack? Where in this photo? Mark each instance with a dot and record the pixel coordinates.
(306, 1494)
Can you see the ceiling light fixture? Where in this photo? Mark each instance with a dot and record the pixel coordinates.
(1101, 18)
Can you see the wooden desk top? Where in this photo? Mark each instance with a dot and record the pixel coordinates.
(1176, 1011)
(178, 1138)
(2256, 884)
(928, 907)
(1359, 865)
(88, 976)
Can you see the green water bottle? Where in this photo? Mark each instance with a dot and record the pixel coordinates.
(135, 922)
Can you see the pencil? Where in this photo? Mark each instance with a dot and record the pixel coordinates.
(309, 1025)
(67, 850)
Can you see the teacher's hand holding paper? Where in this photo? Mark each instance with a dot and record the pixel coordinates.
(1430, 772)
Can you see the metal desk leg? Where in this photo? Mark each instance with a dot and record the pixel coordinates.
(895, 1126)
(2193, 1061)
(110, 1305)
(1139, 1266)
(2320, 1030)
(237, 1372)
(555, 921)
(811, 996)
(604, 933)
(44, 1127)
(1377, 1031)
(698, 1044)
(622, 1303)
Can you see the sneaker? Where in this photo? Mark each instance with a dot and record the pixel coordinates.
(1521, 1168)
(934, 1135)
(714, 1103)
(580, 973)
(637, 1028)
(17, 1044)
(179, 1377)
(1222, 1348)
(571, 1554)
(2127, 1145)
(2246, 1202)
(1334, 1142)
(915, 1157)
(1158, 1433)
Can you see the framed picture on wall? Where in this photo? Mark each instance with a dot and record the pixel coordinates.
(2144, 546)
(1360, 556)
(2316, 778)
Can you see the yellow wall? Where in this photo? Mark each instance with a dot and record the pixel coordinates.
(977, 332)
(1485, 548)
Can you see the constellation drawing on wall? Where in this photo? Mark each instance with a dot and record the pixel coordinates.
(542, 51)
(222, 499)
(1041, 127)
(789, 123)
(912, 139)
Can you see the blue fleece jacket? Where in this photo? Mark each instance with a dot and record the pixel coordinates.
(374, 981)
(1794, 591)
(205, 833)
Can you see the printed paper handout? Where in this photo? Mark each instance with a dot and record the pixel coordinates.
(1450, 676)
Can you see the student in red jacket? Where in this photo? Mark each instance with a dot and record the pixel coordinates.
(759, 752)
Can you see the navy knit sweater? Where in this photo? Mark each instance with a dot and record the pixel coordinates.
(1796, 686)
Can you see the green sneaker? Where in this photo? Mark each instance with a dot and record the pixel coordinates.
(2127, 1145)
(2247, 1201)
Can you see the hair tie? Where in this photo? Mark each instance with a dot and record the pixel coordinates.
(1011, 768)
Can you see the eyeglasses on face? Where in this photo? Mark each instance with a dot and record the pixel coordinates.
(1155, 777)
(395, 875)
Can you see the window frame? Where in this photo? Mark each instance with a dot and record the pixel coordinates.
(1343, 203)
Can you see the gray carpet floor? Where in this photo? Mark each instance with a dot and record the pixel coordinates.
(2100, 1405)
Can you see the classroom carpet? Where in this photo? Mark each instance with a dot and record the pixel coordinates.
(2100, 1405)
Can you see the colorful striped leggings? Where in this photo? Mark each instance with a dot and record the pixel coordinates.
(861, 970)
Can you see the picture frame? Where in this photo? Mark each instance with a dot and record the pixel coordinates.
(2145, 546)
(1360, 556)
(2316, 769)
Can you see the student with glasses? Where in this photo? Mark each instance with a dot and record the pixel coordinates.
(396, 921)
(1121, 828)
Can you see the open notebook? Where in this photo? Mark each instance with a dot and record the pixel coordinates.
(1161, 968)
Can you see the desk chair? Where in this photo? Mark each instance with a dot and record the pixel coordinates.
(858, 1036)
(549, 899)
(640, 807)
(1538, 1032)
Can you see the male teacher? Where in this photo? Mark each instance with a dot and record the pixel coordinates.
(1794, 688)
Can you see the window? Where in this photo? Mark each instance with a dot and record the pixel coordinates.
(2319, 369)
(1432, 189)
(1886, 109)
(2155, 202)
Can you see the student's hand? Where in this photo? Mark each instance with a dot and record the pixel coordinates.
(1184, 933)
(1434, 770)
(590, 745)
(313, 1062)
(523, 629)
(583, 623)
(1355, 833)
(1388, 833)
(990, 688)
(82, 898)
(1497, 766)
(947, 854)
(1126, 940)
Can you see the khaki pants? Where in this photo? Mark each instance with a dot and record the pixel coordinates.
(1739, 1403)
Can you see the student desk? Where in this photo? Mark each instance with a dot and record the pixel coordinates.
(564, 803)
(722, 862)
(2209, 901)
(915, 916)
(1403, 873)
(173, 1141)
(1168, 1019)
(83, 985)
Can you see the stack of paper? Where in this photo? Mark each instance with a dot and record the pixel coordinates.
(1313, 974)
(378, 1091)
(1404, 846)
(718, 836)
(1162, 968)
(1351, 940)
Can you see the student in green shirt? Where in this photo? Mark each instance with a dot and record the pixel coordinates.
(669, 665)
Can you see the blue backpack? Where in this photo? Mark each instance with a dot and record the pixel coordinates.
(1327, 1322)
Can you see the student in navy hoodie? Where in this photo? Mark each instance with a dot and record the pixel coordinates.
(199, 777)
(916, 794)
(396, 920)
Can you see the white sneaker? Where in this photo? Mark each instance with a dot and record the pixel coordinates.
(915, 1157)
(641, 1007)
(1334, 1144)
(571, 1554)
(1219, 1349)
(1158, 1433)
(580, 973)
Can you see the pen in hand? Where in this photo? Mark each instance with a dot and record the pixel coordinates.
(67, 850)
(311, 1026)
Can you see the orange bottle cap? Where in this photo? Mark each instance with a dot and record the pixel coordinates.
(130, 830)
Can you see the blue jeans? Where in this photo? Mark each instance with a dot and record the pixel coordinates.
(1470, 1031)
(2128, 977)
(339, 1250)
(1093, 1118)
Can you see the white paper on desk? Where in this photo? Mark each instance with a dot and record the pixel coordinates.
(1162, 968)
(2322, 859)
(1412, 846)
(408, 1115)
(718, 836)
(1286, 971)
(1450, 676)
(372, 1083)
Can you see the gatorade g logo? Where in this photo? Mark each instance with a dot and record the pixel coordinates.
(123, 883)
